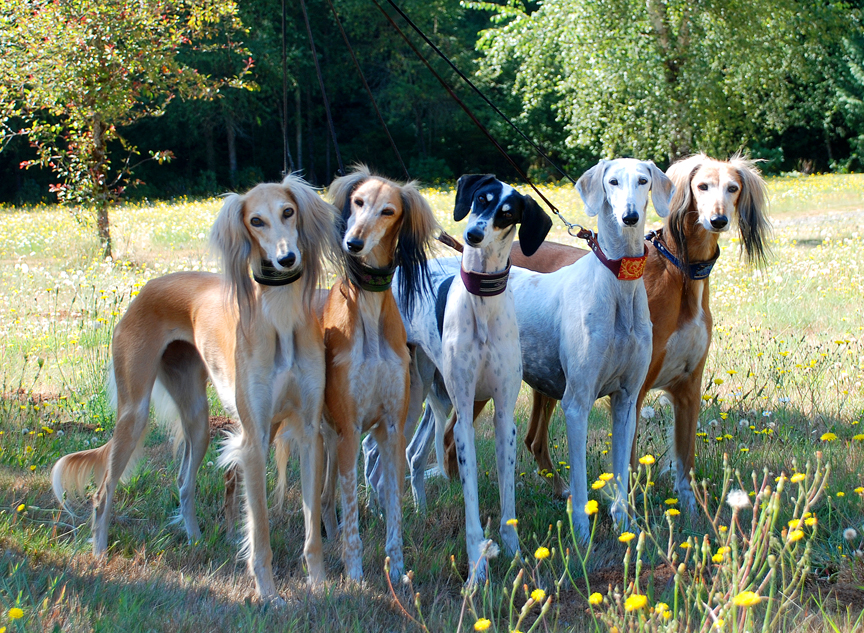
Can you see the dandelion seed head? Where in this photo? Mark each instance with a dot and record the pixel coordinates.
(737, 499)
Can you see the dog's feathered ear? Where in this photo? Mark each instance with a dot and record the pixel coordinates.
(590, 188)
(662, 190)
(418, 228)
(231, 240)
(465, 188)
(753, 225)
(534, 227)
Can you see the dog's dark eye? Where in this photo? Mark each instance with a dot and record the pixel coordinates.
(288, 212)
(387, 211)
(643, 181)
(702, 187)
(256, 222)
(358, 202)
(614, 182)
(481, 200)
(732, 188)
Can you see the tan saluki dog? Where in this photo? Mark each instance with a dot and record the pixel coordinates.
(386, 224)
(260, 344)
(709, 195)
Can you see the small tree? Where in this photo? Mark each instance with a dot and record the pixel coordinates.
(74, 71)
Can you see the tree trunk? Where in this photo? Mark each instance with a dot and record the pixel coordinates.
(298, 125)
(100, 185)
(231, 137)
(310, 141)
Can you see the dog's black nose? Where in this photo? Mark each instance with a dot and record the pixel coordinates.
(474, 235)
(355, 244)
(288, 260)
(631, 218)
(719, 221)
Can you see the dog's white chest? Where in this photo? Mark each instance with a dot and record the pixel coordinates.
(684, 350)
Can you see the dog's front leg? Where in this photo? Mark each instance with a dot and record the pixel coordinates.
(311, 478)
(254, 457)
(391, 440)
(623, 435)
(505, 454)
(577, 404)
(347, 449)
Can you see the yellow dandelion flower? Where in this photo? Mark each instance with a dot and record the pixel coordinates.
(595, 599)
(673, 512)
(626, 537)
(859, 489)
(15, 613)
(541, 553)
(512, 522)
(746, 599)
(635, 602)
(841, 494)
(723, 528)
(858, 437)
(685, 545)
(597, 485)
(795, 535)
(717, 558)
(671, 502)
(21, 508)
(647, 460)
(798, 477)
(810, 522)
(828, 437)
(719, 623)
(718, 381)
(660, 607)
(606, 476)
(33, 467)
(482, 624)
(591, 507)
(538, 595)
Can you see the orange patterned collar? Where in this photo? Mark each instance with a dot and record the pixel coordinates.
(626, 268)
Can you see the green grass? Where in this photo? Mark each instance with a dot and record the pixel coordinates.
(787, 358)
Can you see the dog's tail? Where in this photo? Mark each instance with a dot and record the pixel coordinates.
(72, 473)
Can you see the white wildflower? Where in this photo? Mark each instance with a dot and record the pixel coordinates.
(738, 499)
(743, 422)
(489, 549)
(849, 534)
(647, 413)
(663, 401)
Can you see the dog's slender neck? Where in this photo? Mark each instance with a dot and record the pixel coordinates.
(701, 244)
(489, 259)
(617, 241)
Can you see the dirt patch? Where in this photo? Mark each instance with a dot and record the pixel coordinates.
(23, 395)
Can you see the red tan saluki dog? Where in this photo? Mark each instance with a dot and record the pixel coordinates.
(709, 194)
(258, 342)
(386, 224)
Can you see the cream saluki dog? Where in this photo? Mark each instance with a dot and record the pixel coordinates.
(258, 342)
(367, 356)
(709, 195)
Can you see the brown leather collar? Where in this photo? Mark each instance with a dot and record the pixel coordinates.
(626, 268)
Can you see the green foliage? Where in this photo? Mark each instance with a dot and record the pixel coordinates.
(73, 72)
(662, 79)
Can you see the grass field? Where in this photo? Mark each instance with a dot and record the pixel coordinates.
(783, 382)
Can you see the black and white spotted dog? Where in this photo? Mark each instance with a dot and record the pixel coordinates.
(467, 329)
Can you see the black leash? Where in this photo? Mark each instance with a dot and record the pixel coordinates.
(570, 226)
(368, 90)
(323, 90)
(287, 159)
(479, 92)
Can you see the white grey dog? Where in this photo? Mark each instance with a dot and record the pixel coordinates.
(586, 331)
